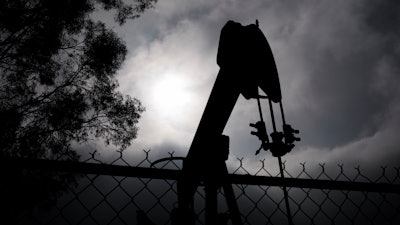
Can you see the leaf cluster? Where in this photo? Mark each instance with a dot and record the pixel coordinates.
(58, 88)
(57, 77)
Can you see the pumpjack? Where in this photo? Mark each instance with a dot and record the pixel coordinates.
(246, 65)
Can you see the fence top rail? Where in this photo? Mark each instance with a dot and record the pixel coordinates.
(170, 174)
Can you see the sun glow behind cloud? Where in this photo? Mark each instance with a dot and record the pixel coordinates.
(328, 65)
(170, 96)
(172, 79)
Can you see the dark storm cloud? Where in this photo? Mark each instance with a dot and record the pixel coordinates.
(382, 16)
(350, 56)
(341, 58)
(338, 66)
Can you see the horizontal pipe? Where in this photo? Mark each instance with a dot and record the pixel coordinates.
(89, 168)
(315, 184)
(168, 174)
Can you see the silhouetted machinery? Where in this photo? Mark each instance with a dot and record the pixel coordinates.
(246, 64)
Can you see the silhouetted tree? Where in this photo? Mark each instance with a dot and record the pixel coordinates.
(58, 86)
(57, 70)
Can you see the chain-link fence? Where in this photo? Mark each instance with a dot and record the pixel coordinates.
(122, 192)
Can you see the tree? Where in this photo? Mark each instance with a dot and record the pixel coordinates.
(57, 77)
(58, 87)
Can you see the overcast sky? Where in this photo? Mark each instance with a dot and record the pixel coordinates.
(338, 63)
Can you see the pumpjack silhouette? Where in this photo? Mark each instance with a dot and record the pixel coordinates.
(246, 64)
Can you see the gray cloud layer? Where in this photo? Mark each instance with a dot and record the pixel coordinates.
(338, 63)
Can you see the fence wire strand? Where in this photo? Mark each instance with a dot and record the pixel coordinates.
(109, 199)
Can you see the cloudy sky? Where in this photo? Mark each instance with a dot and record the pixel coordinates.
(338, 63)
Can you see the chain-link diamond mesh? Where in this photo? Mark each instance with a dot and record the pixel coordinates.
(102, 197)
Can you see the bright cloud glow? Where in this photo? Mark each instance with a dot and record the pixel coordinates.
(338, 74)
(170, 96)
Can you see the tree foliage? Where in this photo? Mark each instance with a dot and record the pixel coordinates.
(57, 88)
(57, 77)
